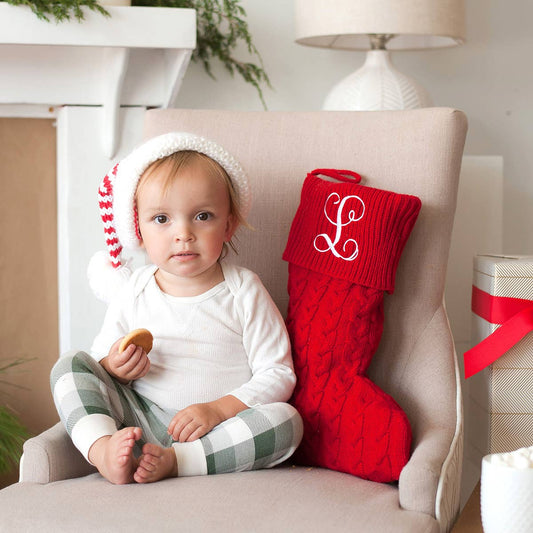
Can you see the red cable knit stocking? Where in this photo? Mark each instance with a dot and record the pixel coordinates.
(344, 246)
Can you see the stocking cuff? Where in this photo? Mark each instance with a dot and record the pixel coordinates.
(350, 231)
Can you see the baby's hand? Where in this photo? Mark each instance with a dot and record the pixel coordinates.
(131, 364)
(194, 422)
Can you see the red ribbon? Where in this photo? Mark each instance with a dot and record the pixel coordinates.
(516, 318)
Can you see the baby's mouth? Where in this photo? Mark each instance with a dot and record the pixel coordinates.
(184, 255)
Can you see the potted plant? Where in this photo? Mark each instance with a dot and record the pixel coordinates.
(12, 432)
(221, 27)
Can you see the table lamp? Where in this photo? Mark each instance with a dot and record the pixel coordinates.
(379, 26)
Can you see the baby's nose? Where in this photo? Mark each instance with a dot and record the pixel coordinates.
(183, 233)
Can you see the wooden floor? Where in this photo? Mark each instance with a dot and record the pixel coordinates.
(470, 519)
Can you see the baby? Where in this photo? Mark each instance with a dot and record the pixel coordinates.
(210, 397)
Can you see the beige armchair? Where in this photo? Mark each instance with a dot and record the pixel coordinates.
(416, 152)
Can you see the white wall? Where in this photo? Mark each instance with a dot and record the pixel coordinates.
(490, 78)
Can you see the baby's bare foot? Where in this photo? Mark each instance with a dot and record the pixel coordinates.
(113, 455)
(156, 463)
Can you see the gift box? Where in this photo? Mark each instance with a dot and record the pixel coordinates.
(500, 366)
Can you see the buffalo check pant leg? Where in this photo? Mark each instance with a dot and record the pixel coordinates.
(91, 405)
(260, 437)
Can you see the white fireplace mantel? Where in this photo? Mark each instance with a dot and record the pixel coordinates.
(95, 79)
(136, 57)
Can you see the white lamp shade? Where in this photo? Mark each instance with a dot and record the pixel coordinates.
(345, 24)
(402, 25)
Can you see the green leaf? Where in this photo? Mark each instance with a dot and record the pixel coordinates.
(221, 28)
(12, 437)
(12, 432)
(60, 10)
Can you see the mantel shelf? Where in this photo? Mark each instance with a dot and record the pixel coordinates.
(137, 56)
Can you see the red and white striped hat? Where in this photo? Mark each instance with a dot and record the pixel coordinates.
(107, 270)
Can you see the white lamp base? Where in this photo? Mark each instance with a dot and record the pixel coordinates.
(377, 85)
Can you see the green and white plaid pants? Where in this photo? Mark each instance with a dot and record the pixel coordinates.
(91, 404)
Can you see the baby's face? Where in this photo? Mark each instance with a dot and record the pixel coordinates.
(184, 229)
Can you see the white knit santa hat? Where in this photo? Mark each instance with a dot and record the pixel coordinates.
(107, 271)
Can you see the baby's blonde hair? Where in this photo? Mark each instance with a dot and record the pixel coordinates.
(185, 160)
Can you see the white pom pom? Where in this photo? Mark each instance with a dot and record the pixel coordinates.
(104, 280)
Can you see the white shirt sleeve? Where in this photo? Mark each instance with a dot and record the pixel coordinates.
(115, 325)
(119, 316)
(267, 345)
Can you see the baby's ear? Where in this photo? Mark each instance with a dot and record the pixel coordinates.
(137, 225)
(231, 226)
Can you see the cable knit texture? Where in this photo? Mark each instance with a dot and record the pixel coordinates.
(343, 250)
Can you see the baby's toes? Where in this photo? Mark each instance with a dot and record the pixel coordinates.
(141, 475)
(145, 473)
(152, 450)
(148, 462)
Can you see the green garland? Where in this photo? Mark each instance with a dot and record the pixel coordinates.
(221, 27)
(59, 10)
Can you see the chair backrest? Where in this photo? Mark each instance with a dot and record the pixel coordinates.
(415, 152)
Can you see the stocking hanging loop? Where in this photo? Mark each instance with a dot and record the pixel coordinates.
(348, 176)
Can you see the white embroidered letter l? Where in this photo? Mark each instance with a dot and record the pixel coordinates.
(332, 244)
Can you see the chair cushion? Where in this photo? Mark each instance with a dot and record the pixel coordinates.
(287, 498)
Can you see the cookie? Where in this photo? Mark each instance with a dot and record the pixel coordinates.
(140, 337)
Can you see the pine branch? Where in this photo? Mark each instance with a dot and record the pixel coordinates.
(221, 27)
(60, 10)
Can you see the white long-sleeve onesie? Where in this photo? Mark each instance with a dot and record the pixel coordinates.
(229, 340)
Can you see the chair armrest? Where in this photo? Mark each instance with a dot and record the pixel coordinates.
(430, 482)
(51, 456)
(419, 478)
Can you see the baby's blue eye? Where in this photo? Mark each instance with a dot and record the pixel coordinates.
(203, 216)
(161, 219)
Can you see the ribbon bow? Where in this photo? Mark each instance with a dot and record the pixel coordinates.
(516, 318)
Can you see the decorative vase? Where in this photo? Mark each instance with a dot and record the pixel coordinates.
(377, 85)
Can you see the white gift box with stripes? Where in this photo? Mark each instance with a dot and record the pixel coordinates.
(503, 391)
